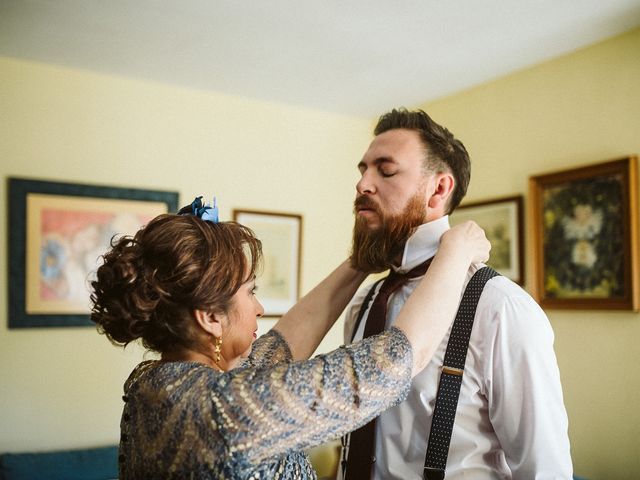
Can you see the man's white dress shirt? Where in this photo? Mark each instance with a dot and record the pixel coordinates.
(511, 420)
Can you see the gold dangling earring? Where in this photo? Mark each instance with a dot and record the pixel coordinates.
(216, 351)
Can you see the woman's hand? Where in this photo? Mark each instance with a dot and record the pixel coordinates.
(468, 238)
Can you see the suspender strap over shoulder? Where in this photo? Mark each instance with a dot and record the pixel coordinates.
(451, 377)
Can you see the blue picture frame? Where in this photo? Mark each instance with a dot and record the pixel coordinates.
(20, 191)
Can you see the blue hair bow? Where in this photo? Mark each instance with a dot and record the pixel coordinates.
(205, 212)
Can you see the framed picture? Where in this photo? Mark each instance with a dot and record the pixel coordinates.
(585, 236)
(281, 236)
(57, 234)
(501, 219)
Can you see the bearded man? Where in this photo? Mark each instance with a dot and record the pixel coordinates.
(510, 421)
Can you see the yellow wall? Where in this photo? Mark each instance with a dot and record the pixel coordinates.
(580, 109)
(61, 387)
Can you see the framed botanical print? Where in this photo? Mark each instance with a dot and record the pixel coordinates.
(585, 236)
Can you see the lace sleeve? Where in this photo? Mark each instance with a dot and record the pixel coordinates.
(266, 411)
(269, 349)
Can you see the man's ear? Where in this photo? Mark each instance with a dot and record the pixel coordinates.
(209, 322)
(444, 185)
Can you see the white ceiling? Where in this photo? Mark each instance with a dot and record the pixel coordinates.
(356, 57)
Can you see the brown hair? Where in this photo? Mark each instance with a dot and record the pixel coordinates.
(443, 152)
(150, 283)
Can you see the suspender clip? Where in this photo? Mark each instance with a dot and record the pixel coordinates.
(431, 473)
(452, 371)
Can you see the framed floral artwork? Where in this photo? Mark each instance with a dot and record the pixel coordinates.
(281, 237)
(585, 236)
(501, 219)
(57, 235)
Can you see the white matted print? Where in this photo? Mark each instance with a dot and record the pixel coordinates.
(501, 219)
(280, 234)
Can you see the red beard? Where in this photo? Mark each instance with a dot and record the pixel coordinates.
(376, 250)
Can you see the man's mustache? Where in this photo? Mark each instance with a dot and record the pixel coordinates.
(365, 202)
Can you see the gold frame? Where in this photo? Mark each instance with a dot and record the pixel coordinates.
(605, 242)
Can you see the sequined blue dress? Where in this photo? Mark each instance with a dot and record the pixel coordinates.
(184, 420)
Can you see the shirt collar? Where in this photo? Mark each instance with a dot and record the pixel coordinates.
(423, 244)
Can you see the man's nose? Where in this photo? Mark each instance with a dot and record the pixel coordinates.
(365, 184)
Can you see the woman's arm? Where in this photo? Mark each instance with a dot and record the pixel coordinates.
(308, 321)
(436, 298)
(266, 411)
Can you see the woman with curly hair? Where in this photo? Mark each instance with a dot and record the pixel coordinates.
(219, 404)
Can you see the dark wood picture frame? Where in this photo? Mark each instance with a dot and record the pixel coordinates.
(585, 231)
(281, 236)
(54, 229)
(502, 220)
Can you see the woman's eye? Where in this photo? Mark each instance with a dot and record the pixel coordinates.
(387, 174)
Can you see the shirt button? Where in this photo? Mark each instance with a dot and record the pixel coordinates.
(373, 459)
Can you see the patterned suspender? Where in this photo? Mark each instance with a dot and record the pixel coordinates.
(451, 377)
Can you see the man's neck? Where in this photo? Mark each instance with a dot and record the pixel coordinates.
(422, 244)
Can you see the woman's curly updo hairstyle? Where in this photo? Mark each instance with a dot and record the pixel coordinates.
(149, 284)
